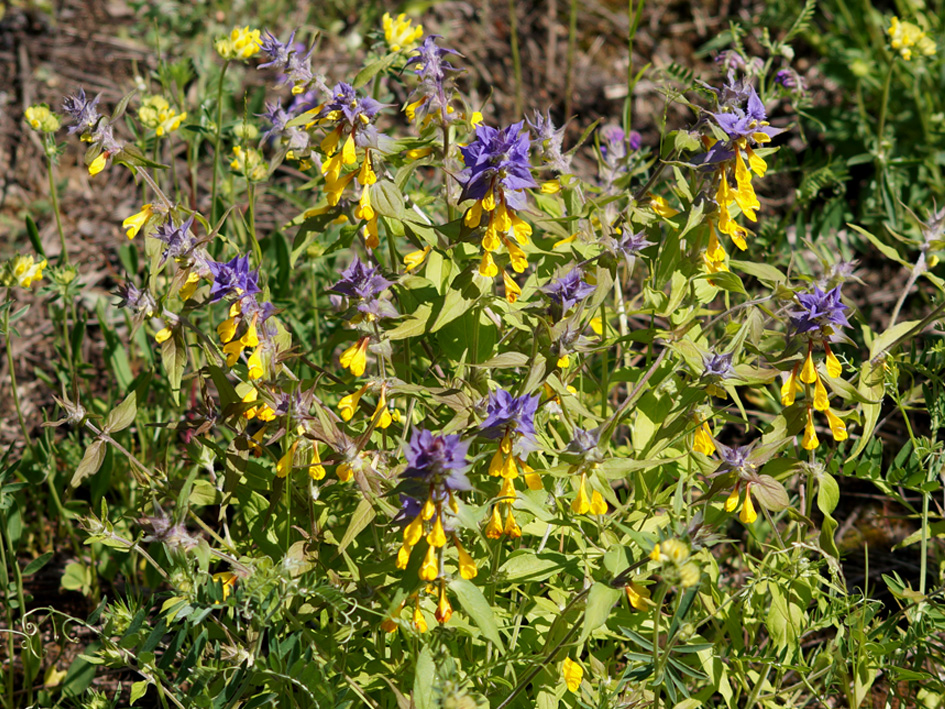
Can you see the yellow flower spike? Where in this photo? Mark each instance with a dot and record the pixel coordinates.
(348, 151)
(809, 371)
(415, 258)
(444, 611)
(703, 442)
(487, 266)
(437, 536)
(135, 222)
(430, 569)
(512, 290)
(232, 350)
(581, 504)
(821, 402)
(467, 567)
(521, 229)
(344, 472)
(512, 530)
(355, 357)
(572, 673)
(834, 368)
(507, 493)
(98, 164)
(517, 257)
(550, 187)
(428, 510)
(403, 556)
(473, 215)
(837, 427)
(413, 531)
(731, 502)
(488, 201)
(755, 163)
(255, 365)
(419, 622)
(163, 335)
(748, 514)
(27, 271)
(810, 440)
(639, 596)
(494, 528)
(789, 388)
(509, 469)
(598, 504)
(284, 466)
(657, 554)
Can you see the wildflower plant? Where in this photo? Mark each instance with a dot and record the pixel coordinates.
(355, 465)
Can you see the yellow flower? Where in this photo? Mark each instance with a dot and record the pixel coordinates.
(703, 442)
(661, 207)
(418, 620)
(163, 335)
(255, 365)
(444, 611)
(581, 504)
(834, 369)
(429, 570)
(415, 258)
(42, 119)
(903, 36)
(731, 502)
(494, 528)
(789, 388)
(511, 526)
(437, 536)
(98, 164)
(355, 357)
(639, 596)
(242, 43)
(810, 440)
(598, 505)
(400, 33)
(573, 674)
(487, 267)
(284, 466)
(316, 470)
(344, 472)
(550, 187)
(674, 550)
(26, 271)
(156, 113)
(837, 427)
(227, 580)
(748, 514)
(416, 153)
(809, 371)
(467, 567)
(512, 290)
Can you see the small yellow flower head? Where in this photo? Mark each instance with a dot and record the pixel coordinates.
(133, 224)
(242, 43)
(904, 36)
(249, 163)
(689, 575)
(400, 33)
(674, 550)
(573, 674)
(41, 119)
(26, 271)
(156, 113)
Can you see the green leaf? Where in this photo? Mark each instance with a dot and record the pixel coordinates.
(600, 601)
(387, 200)
(423, 680)
(37, 563)
(478, 609)
(361, 518)
(828, 493)
(770, 493)
(138, 690)
(33, 233)
(371, 70)
(454, 305)
(90, 463)
(121, 416)
(174, 357)
(526, 565)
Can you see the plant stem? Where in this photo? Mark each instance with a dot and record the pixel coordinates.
(54, 196)
(10, 365)
(881, 125)
(216, 142)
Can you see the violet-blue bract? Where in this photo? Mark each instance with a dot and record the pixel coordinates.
(431, 66)
(232, 277)
(497, 162)
(567, 291)
(509, 414)
(820, 311)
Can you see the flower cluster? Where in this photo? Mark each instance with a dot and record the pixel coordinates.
(497, 174)
(430, 98)
(156, 113)
(233, 280)
(906, 36)
(400, 33)
(288, 59)
(23, 270)
(361, 284)
(435, 473)
(511, 420)
(674, 555)
(41, 119)
(819, 317)
(92, 128)
(743, 121)
(241, 44)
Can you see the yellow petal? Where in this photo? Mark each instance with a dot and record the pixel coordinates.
(731, 502)
(748, 514)
(473, 215)
(494, 528)
(413, 531)
(415, 258)
(437, 536)
(512, 290)
(573, 674)
(254, 363)
(487, 266)
(703, 442)
(809, 371)
(820, 396)
(598, 505)
(517, 257)
(581, 504)
(403, 557)
(467, 567)
(316, 470)
(344, 472)
(98, 164)
(348, 153)
(419, 622)
(834, 369)
(639, 596)
(810, 440)
(430, 569)
(511, 526)
(837, 427)
(789, 389)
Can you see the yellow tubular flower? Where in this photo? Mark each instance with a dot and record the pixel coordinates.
(164, 335)
(265, 413)
(487, 266)
(789, 388)
(731, 502)
(512, 290)
(473, 215)
(661, 207)
(467, 567)
(532, 479)
(490, 239)
(598, 505)
(251, 336)
(429, 509)
(748, 514)
(703, 442)
(355, 357)
(810, 440)
(507, 493)
(656, 554)
(511, 526)
(550, 187)
(837, 427)
(572, 673)
(367, 176)
(755, 163)
(581, 504)
(349, 403)
(349, 151)
(429, 570)
(98, 164)
(413, 531)
(403, 557)
(494, 527)
(517, 257)
(821, 403)
(521, 229)
(496, 463)
(344, 472)
(809, 372)
(444, 611)
(419, 622)
(415, 258)
(834, 369)
(135, 222)
(437, 536)
(639, 596)
(316, 471)
(255, 365)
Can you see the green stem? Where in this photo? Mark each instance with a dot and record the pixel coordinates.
(11, 647)
(54, 196)
(251, 223)
(10, 364)
(881, 126)
(216, 143)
